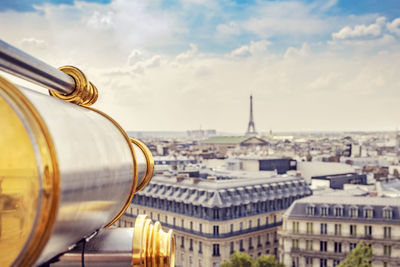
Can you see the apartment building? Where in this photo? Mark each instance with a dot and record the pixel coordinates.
(322, 230)
(213, 218)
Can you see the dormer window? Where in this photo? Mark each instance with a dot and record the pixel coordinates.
(338, 211)
(353, 212)
(387, 213)
(368, 212)
(310, 210)
(324, 211)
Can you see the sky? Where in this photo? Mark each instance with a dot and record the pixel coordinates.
(181, 65)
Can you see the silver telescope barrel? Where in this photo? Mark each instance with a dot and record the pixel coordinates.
(66, 171)
(19, 63)
(144, 245)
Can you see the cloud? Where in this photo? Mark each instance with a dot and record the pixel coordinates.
(230, 28)
(394, 26)
(33, 43)
(100, 21)
(361, 31)
(255, 48)
(293, 52)
(187, 55)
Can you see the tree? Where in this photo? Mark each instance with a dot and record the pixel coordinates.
(268, 261)
(358, 257)
(239, 259)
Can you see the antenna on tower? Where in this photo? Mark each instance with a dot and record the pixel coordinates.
(251, 128)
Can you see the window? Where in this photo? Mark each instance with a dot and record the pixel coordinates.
(295, 243)
(241, 226)
(249, 224)
(353, 230)
(174, 221)
(295, 262)
(190, 261)
(387, 213)
(338, 229)
(274, 219)
(216, 230)
(338, 211)
(387, 250)
(387, 232)
(310, 210)
(232, 247)
(323, 263)
(250, 243)
(215, 250)
(336, 263)
(310, 227)
(368, 213)
(368, 230)
(353, 212)
(267, 242)
(295, 227)
(182, 242)
(191, 226)
(166, 219)
(241, 245)
(200, 228)
(309, 244)
(258, 222)
(352, 246)
(158, 217)
(231, 228)
(200, 247)
(259, 241)
(323, 245)
(324, 211)
(266, 220)
(191, 244)
(338, 247)
(309, 261)
(275, 237)
(183, 223)
(324, 227)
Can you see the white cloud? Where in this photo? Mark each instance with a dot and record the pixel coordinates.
(187, 55)
(394, 26)
(293, 52)
(254, 49)
(134, 57)
(228, 29)
(100, 21)
(33, 43)
(361, 31)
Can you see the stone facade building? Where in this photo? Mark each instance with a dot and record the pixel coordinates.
(322, 230)
(213, 218)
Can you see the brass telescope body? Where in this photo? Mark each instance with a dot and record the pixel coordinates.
(67, 171)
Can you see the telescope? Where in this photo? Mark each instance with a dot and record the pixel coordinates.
(67, 173)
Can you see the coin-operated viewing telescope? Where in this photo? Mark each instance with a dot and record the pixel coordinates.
(67, 173)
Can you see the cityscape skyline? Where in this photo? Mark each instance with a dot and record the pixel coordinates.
(171, 65)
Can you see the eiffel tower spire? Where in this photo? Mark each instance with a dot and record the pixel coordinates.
(251, 128)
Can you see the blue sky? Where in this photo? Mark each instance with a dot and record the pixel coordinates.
(324, 65)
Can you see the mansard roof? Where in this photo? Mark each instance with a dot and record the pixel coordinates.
(361, 203)
(225, 193)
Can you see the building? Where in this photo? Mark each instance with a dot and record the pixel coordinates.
(213, 218)
(337, 181)
(322, 230)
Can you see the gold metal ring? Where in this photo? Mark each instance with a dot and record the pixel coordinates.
(135, 171)
(85, 92)
(150, 163)
(34, 238)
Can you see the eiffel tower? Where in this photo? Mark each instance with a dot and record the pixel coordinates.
(251, 129)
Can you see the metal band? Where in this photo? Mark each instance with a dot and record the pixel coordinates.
(48, 173)
(85, 92)
(150, 163)
(135, 172)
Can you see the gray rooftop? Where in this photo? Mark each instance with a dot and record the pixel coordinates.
(299, 208)
(225, 193)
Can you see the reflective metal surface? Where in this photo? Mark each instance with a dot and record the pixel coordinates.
(144, 245)
(18, 63)
(145, 163)
(28, 180)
